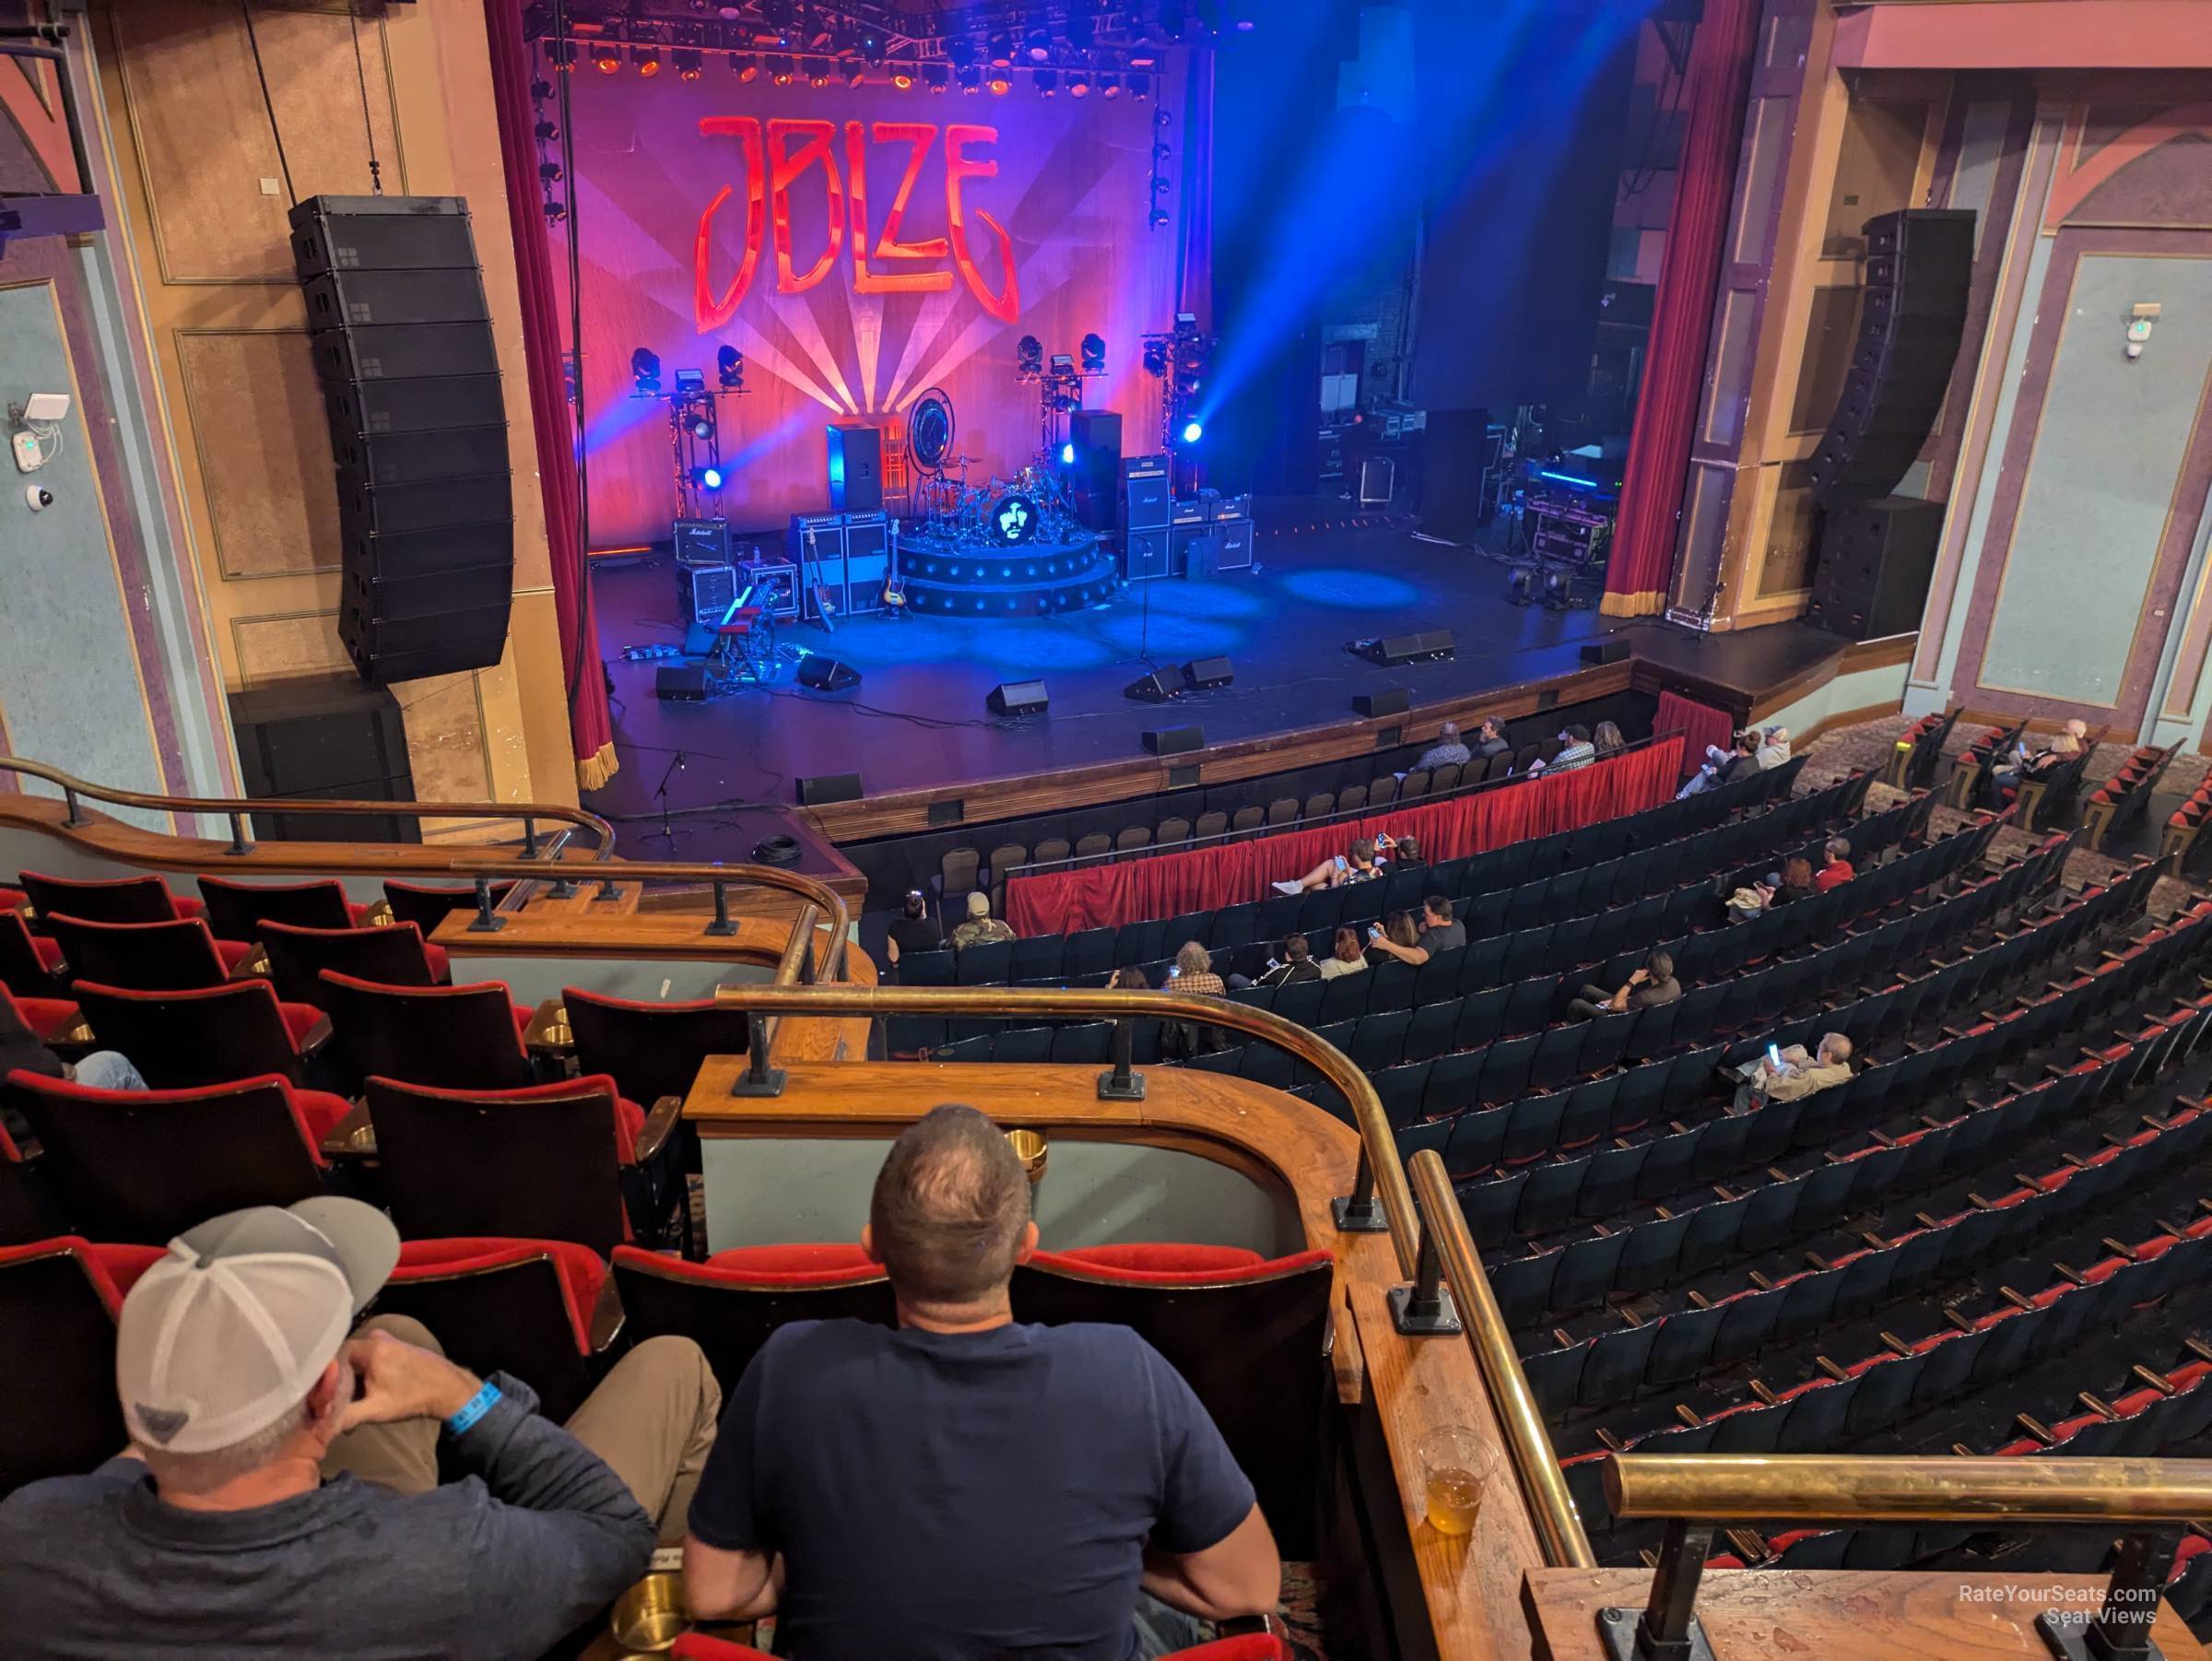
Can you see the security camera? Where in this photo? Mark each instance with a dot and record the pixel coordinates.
(38, 496)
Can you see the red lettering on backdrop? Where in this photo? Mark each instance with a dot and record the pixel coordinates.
(774, 166)
(866, 280)
(712, 309)
(788, 170)
(958, 169)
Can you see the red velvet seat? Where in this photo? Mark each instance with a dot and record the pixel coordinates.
(13, 899)
(462, 1038)
(44, 1016)
(237, 910)
(28, 962)
(395, 956)
(729, 1306)
(146, 1165)
(1251, 1647)
(109, 899)
(203, 1034)
(427, 904)
(58, 1411)
(652, 1049)
(553, 1162)
(521, 1306)
(152, 957)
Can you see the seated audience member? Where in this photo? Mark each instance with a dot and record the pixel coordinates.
(2063, 747)
(1440, 931)
(1399, 935)
(1194, 972)
(1356, 863)
(1724, 766)
(1490, 741)
(1131, 979)
(1347, 957)
(1447, 750)
(1837, 868)
(1405, 852)
(1799, 1074)
(981, 926)
(280, 1496)
(1606, 740)
(1773, 746)
(21, 1047)
(1295, 964)
(1792, 883)
(1576, 752)
(1654, 983)
(911, 930)
(960, 1485)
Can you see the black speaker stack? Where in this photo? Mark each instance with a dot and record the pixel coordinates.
(329, 740)
(1094, 474)
(1146, 506)
(403, 345)
(1920, 264)
(856, 467)
(1876, 559)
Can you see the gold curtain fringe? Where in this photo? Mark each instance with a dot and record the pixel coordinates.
(1647, 604)
(593, 771)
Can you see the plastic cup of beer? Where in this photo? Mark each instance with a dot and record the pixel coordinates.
(1457, 1467)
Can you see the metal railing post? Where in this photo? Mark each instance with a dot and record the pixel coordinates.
(1425, 1308)
(75, 818)
(722, 924)
(1666, 1629)
(2122, 1629)
(486, 921)
(1359, 1212)
(529, 837)
(758, 1079)
(239, 846)
(1123, 1083)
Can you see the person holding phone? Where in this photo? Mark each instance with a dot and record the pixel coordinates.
(1349, 955)
(1653, 984)
(1790, 1075)
(1356, 863)
(1440, 931)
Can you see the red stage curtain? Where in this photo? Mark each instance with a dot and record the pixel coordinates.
(1700, 724)
(1166, 884)
(590, 726)
(1719, 79)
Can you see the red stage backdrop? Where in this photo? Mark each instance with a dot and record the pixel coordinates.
(859, 245)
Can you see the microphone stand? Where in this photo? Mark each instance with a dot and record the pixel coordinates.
(667, 830)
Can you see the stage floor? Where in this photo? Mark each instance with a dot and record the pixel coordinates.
(918, 719)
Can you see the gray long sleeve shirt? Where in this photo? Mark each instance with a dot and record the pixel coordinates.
(535, 1539)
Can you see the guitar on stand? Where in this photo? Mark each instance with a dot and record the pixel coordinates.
(824, 611)
(894, 592)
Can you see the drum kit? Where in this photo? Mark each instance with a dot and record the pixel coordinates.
(1034, 506)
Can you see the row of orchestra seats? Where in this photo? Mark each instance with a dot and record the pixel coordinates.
(2125, 797)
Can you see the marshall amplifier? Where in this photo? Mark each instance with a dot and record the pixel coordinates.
(1145, 556)
(867, 561)
(816, 547)
(702, 542)
(1145, 492)
(1188, 511)
(1233, 507)
(1235, 537)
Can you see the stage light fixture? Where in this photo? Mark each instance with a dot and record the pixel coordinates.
(1028, 354)
(817, 72)
(1067, 455)
(972, 81)
(782, 71)
(1094, 355)
(706, 478)
(936, 76)
(550, 172)
(748, 68)
(547, 131)
(1519, 584)
(857, 75)
(1079, 84)
(702, 427)
(687, 61)
(1048, 82)
(1109, 86)
(1192, 431)
(646, 60)
(1160, 152)
(607, 61)
(1156, 359)
(1140, 87)
(1039, 44)
(555, 210)
(541, 90)
(1000, 85)
(729, 368)
(903, 82)
(1001, 47)
(646, 369)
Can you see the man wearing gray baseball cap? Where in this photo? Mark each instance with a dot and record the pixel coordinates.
(281, 1495)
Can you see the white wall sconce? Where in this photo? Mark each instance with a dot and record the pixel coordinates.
(2140, 321)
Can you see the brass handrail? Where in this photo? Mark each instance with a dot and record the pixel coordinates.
(73, 787)
(1378, 1167)
(1535, 1463)
(1824, 1487)
(825, 900)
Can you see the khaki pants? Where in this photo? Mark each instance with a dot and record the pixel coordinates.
(652, 1420)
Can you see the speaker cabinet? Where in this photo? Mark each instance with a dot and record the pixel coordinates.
(681, 683)
(1018, 698)
(1393, 649)
(1876, 559)
(1155, 687)
(1202, 673)
(1145, 554)
(1389, 700)
(334, 740)
(1919, 271)
(1235, 538)
(856, 467)
(1611, 650)
(829, 788)
(702, 542)
(1456, 494)
(1175, 740)
(1094, 476)
(1145, 505)
(826, 674)
(403, 345)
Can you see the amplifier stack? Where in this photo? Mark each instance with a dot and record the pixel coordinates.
(1146, 505)
(844, 560)
(403, 345)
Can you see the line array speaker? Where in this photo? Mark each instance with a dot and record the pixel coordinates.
(332, 740)
(1877, 559)
(1920, 264)
(403, 345)
(1018, 698)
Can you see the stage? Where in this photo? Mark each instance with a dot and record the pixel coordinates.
(918, 720)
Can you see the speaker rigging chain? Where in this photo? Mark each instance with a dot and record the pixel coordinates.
(245, 9)
(360, 75)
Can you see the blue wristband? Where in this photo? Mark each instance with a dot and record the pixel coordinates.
(478, 1404)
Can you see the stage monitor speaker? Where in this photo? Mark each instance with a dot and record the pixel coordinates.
(1920, 264)
(1457, 495)
(826, 788)
(826, 674)
(681, 683)
(1611, 650)
(1094, 475)
(1877, 559)
(332, 740)
(1175, 740)
(1018, 697)
(1156, 688)
(1393, 649)
(1202, 674)
(402, 343)
(1389, 700)
(856, 467)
